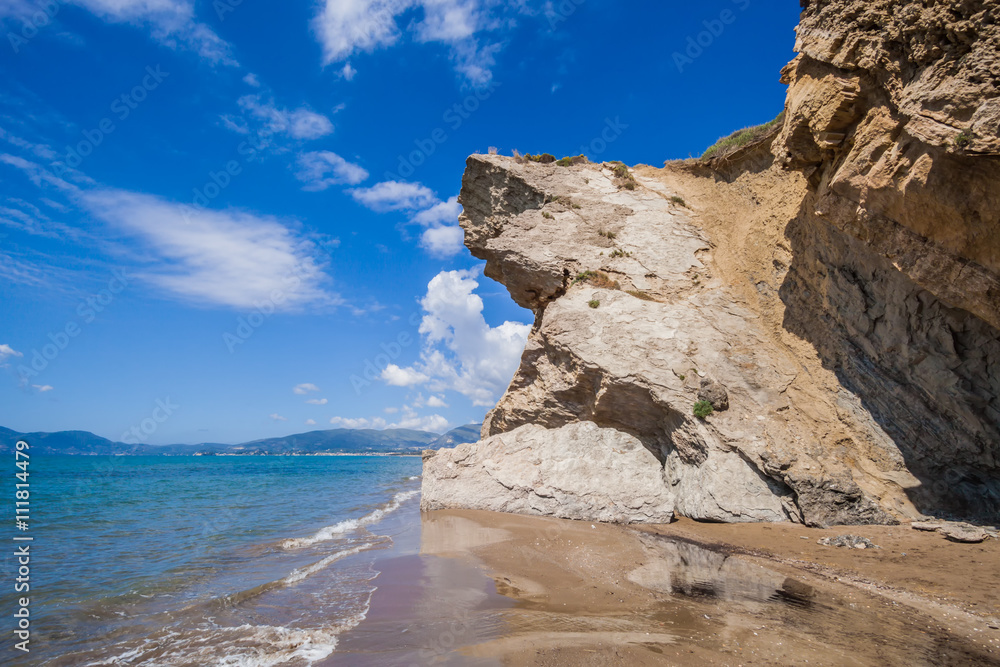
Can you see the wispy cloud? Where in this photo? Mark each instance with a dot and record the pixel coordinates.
(346, 27)
(361, 422)
(321, 169)
(170, 22)
(42, 388)
(443, 238)
(229, 258)
(395, 196)
(317, 401)
(278, 418)
(39, 175)
(301, 123)
(408, 420)
(304, 388)
(6, 352)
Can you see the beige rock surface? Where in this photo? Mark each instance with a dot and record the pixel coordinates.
(841, 284)
(579, 471)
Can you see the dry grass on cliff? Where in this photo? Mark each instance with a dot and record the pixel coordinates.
(744, 137)
(598, 279)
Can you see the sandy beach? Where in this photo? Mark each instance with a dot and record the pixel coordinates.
(469, 587)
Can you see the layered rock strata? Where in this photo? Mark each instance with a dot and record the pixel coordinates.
(837, 287)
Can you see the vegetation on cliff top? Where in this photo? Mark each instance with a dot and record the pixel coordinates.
(741, 138)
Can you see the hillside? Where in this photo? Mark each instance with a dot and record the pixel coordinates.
(77, 443)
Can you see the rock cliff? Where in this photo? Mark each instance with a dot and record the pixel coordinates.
(833, 292)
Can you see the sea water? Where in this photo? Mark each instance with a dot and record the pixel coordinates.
(185, 560)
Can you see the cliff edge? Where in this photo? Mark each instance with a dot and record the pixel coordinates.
(833, 292)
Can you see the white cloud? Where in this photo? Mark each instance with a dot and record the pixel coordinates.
(348, 72)
(441, 213)
(6, 351)
(448, 20)
(436, 402)
(395, 196)
(321, 169)
(345, 27)
(301, 123)
(402, 377)
(310, 422)
(170, 22)
(317, 401)
(38, 174)
(252, 80)
(391, 411)
(228, 258)
(278, 418)
(304, 388)
(342, 422)
(461, 351)
(443, 242)
(432, 423)
(42, 388)
(409, 420)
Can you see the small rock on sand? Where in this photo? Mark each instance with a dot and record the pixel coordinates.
(967, 534)
(851, 541)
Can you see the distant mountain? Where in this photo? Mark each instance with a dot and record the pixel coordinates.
(68, 442)
(336, 441)
(458, 436)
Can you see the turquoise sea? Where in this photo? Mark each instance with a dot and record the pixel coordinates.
(190, 560)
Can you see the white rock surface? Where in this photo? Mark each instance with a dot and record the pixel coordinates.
(578, 471)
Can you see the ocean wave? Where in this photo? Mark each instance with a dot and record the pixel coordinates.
(239, 646)
(301, 573)
(346, 526)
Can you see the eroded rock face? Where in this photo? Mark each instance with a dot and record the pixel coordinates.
(862, 376)
(894, 110)
(635, 362)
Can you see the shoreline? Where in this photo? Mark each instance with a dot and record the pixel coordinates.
(473, 587)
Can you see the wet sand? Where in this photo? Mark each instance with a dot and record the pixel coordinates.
(472, 587)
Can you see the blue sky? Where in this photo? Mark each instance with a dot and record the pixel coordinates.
(226, 221)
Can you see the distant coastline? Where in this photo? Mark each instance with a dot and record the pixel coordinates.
(334, 442)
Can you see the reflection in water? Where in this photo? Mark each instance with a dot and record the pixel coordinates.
(682, 568)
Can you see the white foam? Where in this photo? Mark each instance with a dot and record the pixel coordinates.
(330, 532)
(268, 646)
(301, 573)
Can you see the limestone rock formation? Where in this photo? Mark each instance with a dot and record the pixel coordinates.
(838, 285)
(579, 471)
